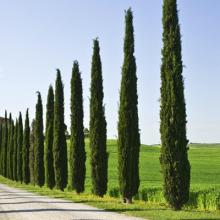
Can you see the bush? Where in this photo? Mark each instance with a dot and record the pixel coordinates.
(114, 192)
(200, 199)
(154, 195)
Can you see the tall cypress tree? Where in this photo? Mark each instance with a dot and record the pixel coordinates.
(128, 128)
(1, 141)
(2, 147)
(25, 152)
(15, 146)
(31, 153)
(39, 144)
(49, 166)
(59, 141)
(99, 155)
(19, 147)
(77, 145)
(174, 159)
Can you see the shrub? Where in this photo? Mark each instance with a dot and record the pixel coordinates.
(200, 199)
(114, 192)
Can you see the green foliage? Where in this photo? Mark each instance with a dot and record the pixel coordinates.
(15, 148)
(31, 153)
(26, 149)
(19, 148)
(201, 199)
(128, 130)
(1, 143)
(174, 160)
(48, 161)
(77, 146)
(207, 199)
(39, 144)
(10, 147)
(59, 141)
(99, 156)
(5, 146)
(114, 192)
(204, 199)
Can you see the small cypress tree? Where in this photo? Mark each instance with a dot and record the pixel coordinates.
(19, 148)
(128, 128)
(31, 153)
(10, 148)
(5, 146)
(77, 145)
(25, 152)
(14, 157)
(174, 160)
(39, 144)
(99, 155)
(59, 141)
(49, 166)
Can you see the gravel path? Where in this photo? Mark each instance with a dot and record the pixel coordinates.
(16, 204)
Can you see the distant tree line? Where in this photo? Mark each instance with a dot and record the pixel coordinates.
(29, 156)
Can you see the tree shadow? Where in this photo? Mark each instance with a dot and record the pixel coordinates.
(199, 218)
(27, 202)
(133, 210)
(52, 210)
(21, 197)
(16, 194)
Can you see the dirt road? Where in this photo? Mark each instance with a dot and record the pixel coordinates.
(16, 204)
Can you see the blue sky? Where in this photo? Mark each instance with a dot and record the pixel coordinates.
(36, 37)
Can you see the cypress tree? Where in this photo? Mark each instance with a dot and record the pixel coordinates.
(10, 147)
(174, 159)
(14, 157)
(77, 145)
(5, 146)
(39, 144)
(49, 166)
(2, 149)
(99, 155)
(59, 141)
(31, 153)
(25, 152)
(1, 130)
(128, 128)
(19, 148)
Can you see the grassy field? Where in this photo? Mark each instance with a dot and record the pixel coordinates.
(205, 162)
(204, 159)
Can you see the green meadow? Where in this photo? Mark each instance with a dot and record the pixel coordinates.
(204, 160)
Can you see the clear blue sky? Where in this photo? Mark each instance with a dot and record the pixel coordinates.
(36, 37)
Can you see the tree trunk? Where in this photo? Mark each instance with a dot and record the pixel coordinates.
(128, 200)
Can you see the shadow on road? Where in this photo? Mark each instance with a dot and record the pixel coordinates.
(16, 203)
(51, 210)
(21, 197)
